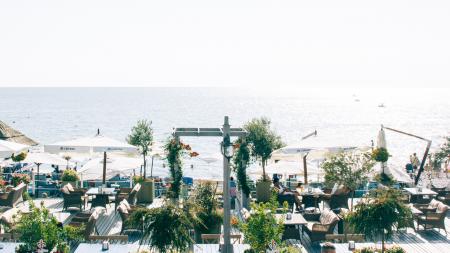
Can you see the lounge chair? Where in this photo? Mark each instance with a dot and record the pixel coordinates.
(434, 219)
(13, 197)
(125, 210)
(319, 225)
(90, 225)
(73, 197)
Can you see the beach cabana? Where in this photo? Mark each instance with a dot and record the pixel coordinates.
(8, 133)
(8, 148)
(94, 144)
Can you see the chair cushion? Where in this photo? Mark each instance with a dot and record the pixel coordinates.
(434, 203)
(70, 187)
(122, 208)
(328, 217)
(245, 214)
(65, 190)
(126, 204)
(441, 208)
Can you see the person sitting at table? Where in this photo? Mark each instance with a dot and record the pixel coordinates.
(285, 193)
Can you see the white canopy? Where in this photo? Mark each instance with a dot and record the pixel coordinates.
(97, 143)
(44, 158)
(286, 168)
(117, 165)
(8, 148)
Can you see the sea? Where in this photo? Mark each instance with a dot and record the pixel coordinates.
(341, 116)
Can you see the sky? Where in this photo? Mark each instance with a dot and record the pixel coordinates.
(253, 43)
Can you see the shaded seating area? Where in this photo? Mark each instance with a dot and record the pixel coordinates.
(73, 197)
(319, 225)
(433, 216)
(13, 197)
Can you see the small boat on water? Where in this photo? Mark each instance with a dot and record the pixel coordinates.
(381, 105)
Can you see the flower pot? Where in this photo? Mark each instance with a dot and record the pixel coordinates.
(147, 192)
(263, 191)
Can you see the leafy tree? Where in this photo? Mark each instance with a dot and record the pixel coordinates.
(262, 228)
(240, 161)
(381, 216)
(262, 140)
(348, 169)
(142, 137)
(442, 154)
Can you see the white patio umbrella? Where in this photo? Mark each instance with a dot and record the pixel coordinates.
(117, 165)
(381, 143)
(44, 158)
(311, 149)
(8, 148)
(95, 144)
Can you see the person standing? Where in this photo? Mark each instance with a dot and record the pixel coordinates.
(415, 161)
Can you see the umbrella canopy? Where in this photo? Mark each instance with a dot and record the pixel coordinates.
(286, 168)
(117, 165)
(44, 158)
(97, 143)
(8, 148)
(8, 133)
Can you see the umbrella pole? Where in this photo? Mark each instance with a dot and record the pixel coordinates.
(151, 168)
(305, 169)
(104, 168)
(36, 184)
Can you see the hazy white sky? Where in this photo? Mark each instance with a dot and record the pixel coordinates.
(233, 42)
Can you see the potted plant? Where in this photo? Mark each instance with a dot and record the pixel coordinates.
(240, 162)
(380, 215)
(142, 137)
(167, 229)
(206, 210)
(20, 157)
(263, 141)
(70, 176)
(262, 229)
(348, 170)
(18, 178)
(176, 150)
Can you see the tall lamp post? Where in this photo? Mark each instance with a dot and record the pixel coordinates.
(226, 132)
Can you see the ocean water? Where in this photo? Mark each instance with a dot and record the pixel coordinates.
(341, 116)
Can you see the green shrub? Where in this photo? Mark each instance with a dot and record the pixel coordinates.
(205, 207)
(380, 155)
(20, 157)
(262, 228)
(70, 176)
(385, 179)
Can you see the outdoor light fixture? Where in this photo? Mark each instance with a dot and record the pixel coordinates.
(226, 147)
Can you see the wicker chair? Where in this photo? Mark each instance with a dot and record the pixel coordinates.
(13, 197)
(73, 197)
(319, 225)
(90, 225)
(445, 198)
(434, 219)
(130, 194)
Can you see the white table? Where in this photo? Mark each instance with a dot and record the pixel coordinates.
(113, 248)
(343, 247)
(297, 219)
(214, 248)
(415, 191)
(8, 246)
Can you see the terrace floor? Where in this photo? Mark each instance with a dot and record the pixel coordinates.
(109, 223)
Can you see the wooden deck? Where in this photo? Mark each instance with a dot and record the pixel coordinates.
(109, 223)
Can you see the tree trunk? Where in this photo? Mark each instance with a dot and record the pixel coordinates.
(264, 169)
(145, 167)
(382, 243)
(351, 203)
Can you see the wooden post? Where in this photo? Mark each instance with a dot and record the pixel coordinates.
(226, 194)
(422, 164)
